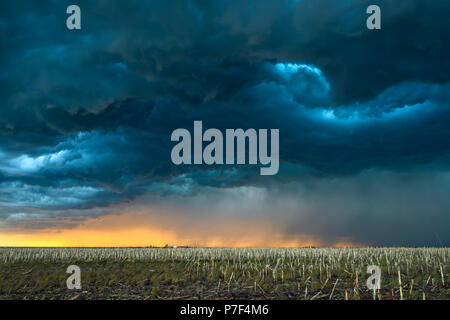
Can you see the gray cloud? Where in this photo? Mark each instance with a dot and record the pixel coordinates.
(86, 115)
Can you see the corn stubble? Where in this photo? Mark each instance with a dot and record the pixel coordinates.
(213, 273)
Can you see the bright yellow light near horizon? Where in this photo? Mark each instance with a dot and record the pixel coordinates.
(26, 241)
(86, 238)
(140, 238)
(137, 229)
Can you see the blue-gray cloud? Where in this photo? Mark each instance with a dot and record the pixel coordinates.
(86, 115)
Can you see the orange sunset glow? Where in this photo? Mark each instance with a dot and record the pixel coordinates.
(135, 229)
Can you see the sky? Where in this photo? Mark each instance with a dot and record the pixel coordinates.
(86, 118)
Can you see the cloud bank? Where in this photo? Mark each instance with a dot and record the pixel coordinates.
(86, 115)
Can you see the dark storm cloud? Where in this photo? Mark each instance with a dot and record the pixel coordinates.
(203, 50)
(126, 146)
(86, 116)
(375, 207)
